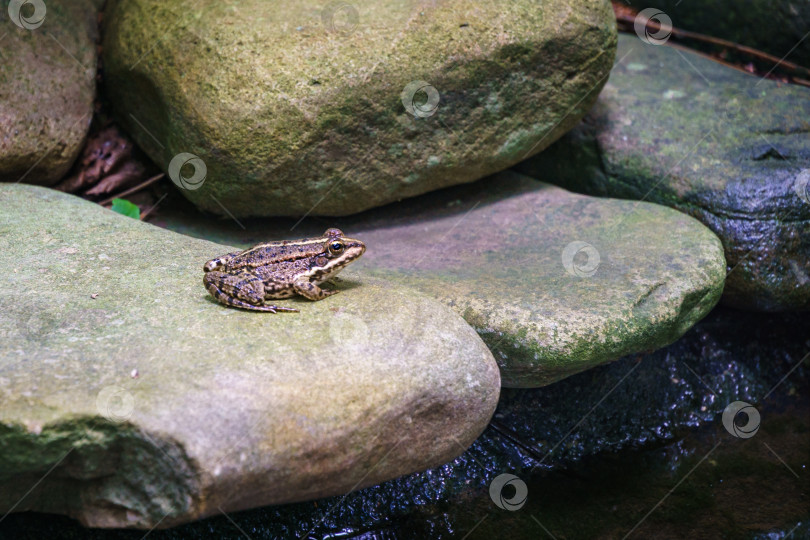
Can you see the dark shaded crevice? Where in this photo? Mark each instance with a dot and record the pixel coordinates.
(643, 299)
(778, 131)
(771, 153)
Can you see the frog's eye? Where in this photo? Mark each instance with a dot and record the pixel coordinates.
(336, 247)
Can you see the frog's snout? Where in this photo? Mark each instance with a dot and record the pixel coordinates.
(357, 247)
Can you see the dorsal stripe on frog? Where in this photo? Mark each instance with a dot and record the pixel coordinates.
(285, 251)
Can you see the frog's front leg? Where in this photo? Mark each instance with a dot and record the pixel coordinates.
(307, 289)
(243, 290)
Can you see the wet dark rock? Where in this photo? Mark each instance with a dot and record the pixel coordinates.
(728, 148)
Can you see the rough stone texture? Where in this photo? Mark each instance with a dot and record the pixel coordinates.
(778, 27)
(728, 148)
(493, 251)
(47, 86)
(153, 405)
(292, 115)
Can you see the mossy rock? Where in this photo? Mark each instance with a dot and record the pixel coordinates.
(296, 107)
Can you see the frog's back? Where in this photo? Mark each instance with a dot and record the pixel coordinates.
(277, 252)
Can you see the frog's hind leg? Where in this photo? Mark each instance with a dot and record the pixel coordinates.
(242, 290)
(219, 262)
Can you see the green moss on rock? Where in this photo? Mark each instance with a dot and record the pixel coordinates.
(292, 117)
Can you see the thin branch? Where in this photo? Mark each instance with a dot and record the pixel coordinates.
(130, 191)
(686, 34)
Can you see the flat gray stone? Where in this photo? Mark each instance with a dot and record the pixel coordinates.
(152, 405)
(47, 86)
(313, 107)
(555, 283)
(728, 148)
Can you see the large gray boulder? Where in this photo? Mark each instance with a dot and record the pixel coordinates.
(307, 107)
(130, 398)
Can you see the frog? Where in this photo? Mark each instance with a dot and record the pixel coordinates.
(271, 270)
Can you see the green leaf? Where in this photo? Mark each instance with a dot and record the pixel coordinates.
(123, 206)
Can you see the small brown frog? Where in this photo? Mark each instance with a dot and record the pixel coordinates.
(246, 279)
